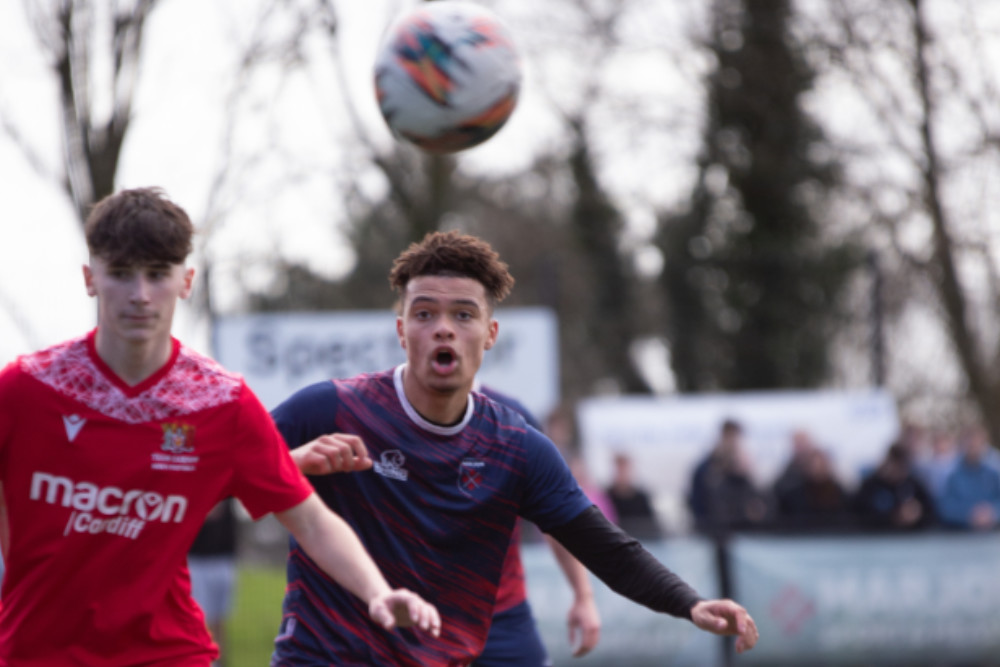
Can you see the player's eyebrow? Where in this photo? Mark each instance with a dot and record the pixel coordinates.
(455, 302)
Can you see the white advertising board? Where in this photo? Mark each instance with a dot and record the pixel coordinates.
(631, 634)
(668, 436)
(902, 599)
(279, 353)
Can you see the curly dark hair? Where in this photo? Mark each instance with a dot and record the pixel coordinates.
(139, 226)
(453, 254)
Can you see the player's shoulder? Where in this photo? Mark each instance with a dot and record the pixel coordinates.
(197, 382)
(501, 415)
(64, 364)
(370, 386)
(69, 353)
(508, 402)
(195, 367)
(324, 393)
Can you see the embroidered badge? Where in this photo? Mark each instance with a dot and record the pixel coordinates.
(177, 437)
(470, 476)
(178, 443)
(390, 464)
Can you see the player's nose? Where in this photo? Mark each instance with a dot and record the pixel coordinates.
(140, 290)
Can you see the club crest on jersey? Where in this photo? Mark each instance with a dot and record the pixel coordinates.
(177, 449)
(470, 476)
(177, 438)
(390, 464)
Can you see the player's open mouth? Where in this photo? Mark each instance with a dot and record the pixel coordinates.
(444, 361)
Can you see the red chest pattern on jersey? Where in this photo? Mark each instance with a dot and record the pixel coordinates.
(193, 383)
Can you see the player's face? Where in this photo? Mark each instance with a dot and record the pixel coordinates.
(136, 303)
(445, 327)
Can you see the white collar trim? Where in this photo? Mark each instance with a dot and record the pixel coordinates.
(415, 417)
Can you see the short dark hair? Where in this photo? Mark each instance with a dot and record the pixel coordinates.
(453, 254)
(139, 226)
(731, 426)
(898, 453)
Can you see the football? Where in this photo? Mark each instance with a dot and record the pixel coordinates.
(447, 76)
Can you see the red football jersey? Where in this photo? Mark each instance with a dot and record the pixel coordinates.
(105, 488)
(511, 590)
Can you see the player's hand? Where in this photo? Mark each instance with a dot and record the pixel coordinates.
(336, 452)
(401, 608)
(725, 617)
(584, 625)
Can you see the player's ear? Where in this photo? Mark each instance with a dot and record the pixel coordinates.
(400, 332)
(188, 282)
(491, 339)
(88, 280)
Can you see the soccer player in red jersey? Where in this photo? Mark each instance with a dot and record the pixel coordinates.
(440, 476)
(113, 448)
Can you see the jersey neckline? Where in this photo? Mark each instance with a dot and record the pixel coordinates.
(415, 417)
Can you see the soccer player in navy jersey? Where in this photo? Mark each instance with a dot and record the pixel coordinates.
(115, 445)
(442, 475)
(514, 639)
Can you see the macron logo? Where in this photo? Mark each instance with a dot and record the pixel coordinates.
(73, 424)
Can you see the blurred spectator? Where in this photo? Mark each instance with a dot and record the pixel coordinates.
(813, 498)
(971, 494)
(723, 496)
(561, 427)
(593, 491)
(631, 502)
(212, 563)
(941, 459)
(916, 440)
(793, 472)
(893, 496)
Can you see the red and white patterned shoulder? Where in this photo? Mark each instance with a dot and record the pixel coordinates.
(193, 383)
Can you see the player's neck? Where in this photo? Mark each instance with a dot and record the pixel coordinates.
(133, 361)
(440, 408)
(442, 411)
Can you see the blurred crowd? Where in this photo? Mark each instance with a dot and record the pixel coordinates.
(927, 478)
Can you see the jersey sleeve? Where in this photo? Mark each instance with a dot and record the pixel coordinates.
(267, 479)
(307, 414)
(552, 496)
(8, 402)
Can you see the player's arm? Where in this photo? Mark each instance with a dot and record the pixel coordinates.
(629, 569)
(583, 619)
(335, 547)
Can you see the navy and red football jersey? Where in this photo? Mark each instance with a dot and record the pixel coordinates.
(436, 512)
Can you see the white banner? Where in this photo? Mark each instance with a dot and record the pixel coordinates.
(279, 353)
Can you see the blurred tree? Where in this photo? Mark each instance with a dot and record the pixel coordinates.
(924, 153)
(94, 51)
(551, 240)
(752, 281)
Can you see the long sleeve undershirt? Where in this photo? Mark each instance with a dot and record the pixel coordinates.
(622, 563)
